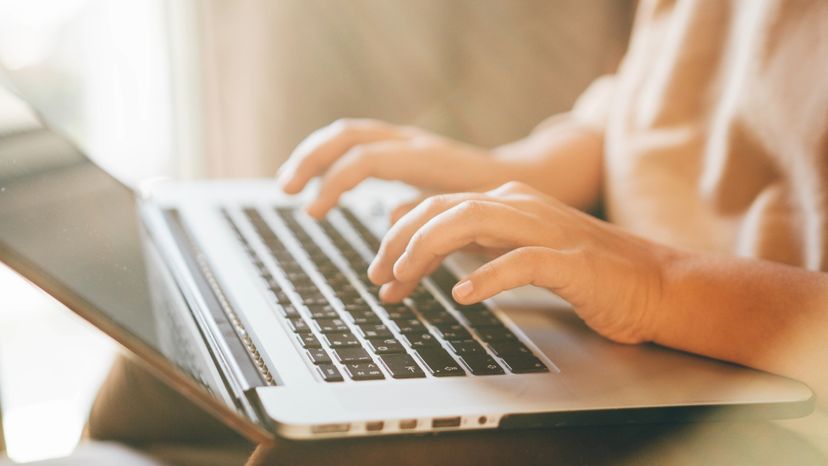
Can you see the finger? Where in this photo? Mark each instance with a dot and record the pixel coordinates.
(488, 224)
(396, 160)
(396, 239)
(556, 270)
(313, 155)
(393, 292)
(403, 209)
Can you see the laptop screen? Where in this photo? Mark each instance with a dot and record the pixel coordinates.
(74, 230)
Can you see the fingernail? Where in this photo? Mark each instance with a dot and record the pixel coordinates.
(399, 267)
(314, 210)
(463, 289)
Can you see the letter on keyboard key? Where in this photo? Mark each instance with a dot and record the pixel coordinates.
(308, 340)
(341, 340)
(297, 324)
(329, 373)
(506, 347)
(481, 364)
(402, 366)
(466, 347)
(331, 325)
(496, 333)
(364, 371)
(407, 326)
(421, 340)
(318, 356)
(439, 363)
(375, 331)
(347, 355)
(386, 346)
(523, 364)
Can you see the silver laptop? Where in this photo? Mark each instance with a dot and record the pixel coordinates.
(265, 317)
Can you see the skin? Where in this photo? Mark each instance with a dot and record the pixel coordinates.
(522, 202)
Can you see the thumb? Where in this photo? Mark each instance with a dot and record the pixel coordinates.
(534, 265)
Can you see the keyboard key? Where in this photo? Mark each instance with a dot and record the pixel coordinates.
(402, 366)
(523, 364)
(439, 363)
(289, 310)
(318, 356)
(346, 355)
(406, 326)
(466, 347)
(481, 364)
(386, 346)
(360, 319)
(308, 340)
(320, 309)
(361, 311)
(421, 340)
(331, 325)
(442, 321)
(507, 347)
(298, 324)
(482, 319)
(454, 332)
(329, 373)
(375, 331)
(341, 340)
(364, 371)
(400, 313)
(490, 334)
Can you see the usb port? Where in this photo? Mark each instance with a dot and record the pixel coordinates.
(444, 422)
(408, 424)
(374, 426)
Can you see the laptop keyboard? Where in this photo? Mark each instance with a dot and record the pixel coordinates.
(346, 333)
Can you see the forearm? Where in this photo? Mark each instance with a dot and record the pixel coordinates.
(756, 313)
(564, 161)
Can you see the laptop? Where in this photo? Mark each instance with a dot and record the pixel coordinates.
(265, 317)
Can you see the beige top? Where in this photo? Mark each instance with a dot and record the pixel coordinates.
(716, 128)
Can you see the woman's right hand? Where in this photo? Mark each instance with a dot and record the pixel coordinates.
(347, 152)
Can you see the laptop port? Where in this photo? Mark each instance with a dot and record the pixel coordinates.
(374, 426)
(408, 424)
(445, 422)
(330, 428)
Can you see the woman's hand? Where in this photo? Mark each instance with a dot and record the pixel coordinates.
(348, 151)
(613, 279)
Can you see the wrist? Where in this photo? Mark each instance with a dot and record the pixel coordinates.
(667, 298)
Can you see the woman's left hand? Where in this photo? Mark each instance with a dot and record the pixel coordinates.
(612, 278)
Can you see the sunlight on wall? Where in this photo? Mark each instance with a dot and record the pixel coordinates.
(98, 70)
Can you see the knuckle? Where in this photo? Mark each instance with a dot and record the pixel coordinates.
(490, 271)
(471, 208)
(513, 187)
(342, 125)
(436, 203)
(359, 154)
(417, 240)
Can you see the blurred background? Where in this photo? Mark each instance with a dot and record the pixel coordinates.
(221, 88)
